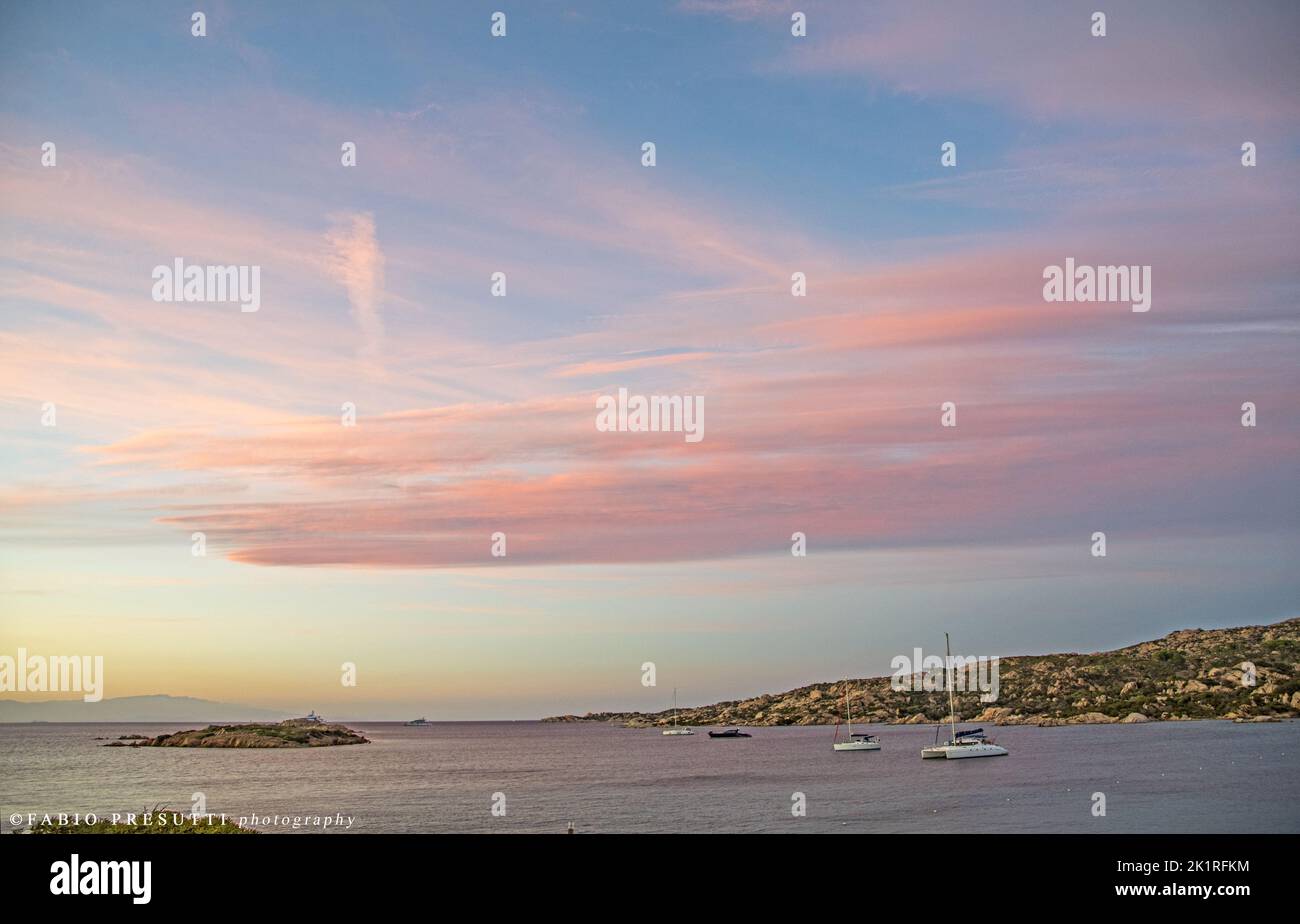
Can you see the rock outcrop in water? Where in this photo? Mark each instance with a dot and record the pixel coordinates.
(1189, 674)
(293, 733)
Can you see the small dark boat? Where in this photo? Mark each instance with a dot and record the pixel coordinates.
(730, 733)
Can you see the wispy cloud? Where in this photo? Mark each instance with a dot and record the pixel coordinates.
(358, 265)
(1204, 63)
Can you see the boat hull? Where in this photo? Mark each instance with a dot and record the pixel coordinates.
(960, 751)
(678, 731)
(963, 751)
(857, 745)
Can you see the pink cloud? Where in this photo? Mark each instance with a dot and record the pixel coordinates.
(1156, 62)
(823, 412)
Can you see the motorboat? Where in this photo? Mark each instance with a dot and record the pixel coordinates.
(730, 733)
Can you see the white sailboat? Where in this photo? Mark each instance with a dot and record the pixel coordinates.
(973, 743)
(675, 730)
(856, 742)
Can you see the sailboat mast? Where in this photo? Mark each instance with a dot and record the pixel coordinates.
(952, 718)
(674, 707)
(848, 704)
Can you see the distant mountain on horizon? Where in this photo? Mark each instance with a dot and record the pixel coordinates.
(155, 708)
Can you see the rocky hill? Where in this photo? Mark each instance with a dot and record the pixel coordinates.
(1189, 674)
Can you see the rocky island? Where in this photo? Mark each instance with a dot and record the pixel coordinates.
(1248, 674)
(292, 733)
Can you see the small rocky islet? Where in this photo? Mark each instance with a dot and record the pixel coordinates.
(291, 733)
(1188, 674)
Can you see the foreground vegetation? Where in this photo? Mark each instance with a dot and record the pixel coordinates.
(171, 823)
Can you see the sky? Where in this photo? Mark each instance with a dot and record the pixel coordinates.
(475, 413)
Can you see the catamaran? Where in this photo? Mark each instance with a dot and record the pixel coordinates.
(973, 743)
(857, 741)
(675, 730)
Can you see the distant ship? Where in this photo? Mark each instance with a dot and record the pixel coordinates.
(313, 718)
(419, 721)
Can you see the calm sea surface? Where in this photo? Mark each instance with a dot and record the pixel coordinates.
(1171, 777)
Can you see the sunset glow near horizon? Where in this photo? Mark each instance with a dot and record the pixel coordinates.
(477, 413)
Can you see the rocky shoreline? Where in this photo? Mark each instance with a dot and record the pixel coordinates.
(1187, 675)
